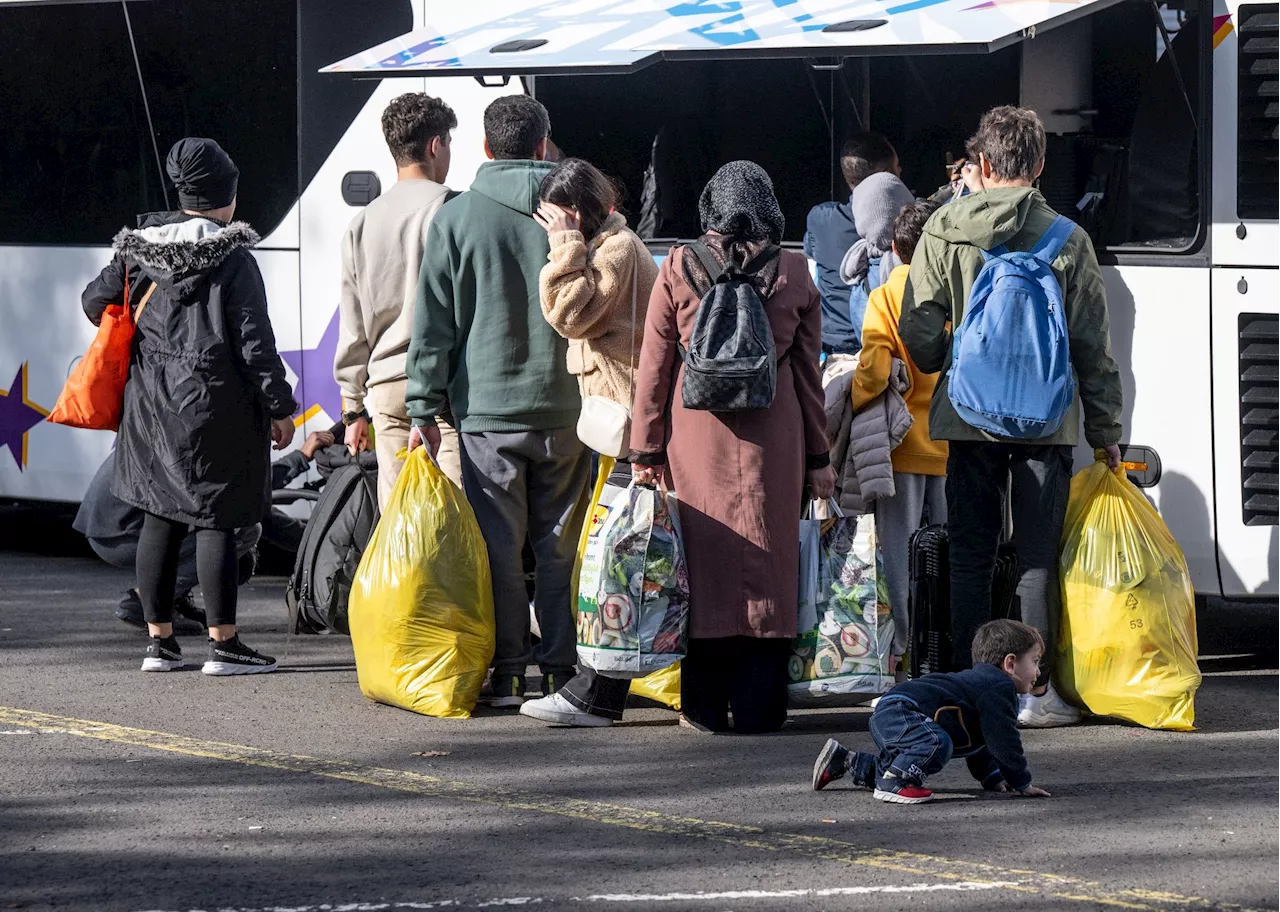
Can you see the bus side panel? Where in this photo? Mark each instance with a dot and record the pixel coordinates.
(1160, 339)
(43, 333)
(1244, 300)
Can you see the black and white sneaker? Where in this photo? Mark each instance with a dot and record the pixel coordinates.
(231, 657)
(162, 655)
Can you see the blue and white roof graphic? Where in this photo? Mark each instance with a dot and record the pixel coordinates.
(517, 37)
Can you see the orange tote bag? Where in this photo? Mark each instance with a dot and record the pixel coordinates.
(93, 397)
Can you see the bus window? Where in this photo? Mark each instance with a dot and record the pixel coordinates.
(682, 120)
(1145, 165)
(930, 105)
(1131, 173)
(1130, 169)
(77, 161)
(75, 157)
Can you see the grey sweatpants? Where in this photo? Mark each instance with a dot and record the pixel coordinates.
(897, 517)
(530, 485)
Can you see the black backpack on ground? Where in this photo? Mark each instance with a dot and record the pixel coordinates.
(929, 603)
(730, 364)
(332, 545)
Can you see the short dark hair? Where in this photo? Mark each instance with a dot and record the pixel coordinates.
(863, 155)
(411, 121)
(997, 639)
(1012, 141)
(514, 125)
(909, 225)
(579, 185)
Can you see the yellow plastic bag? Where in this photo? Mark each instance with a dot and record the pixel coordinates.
(661, 686)
(422, 602)
(1127, 646)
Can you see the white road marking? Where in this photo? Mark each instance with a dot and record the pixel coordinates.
(961, 887)
(790, 894)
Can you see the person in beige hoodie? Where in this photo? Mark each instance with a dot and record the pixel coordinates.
(381, 258)
(595, 264)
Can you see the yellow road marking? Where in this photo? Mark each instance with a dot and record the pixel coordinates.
(1054, 886)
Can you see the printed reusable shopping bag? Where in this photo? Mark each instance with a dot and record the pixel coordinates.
(609, 494)
(421, 610)
(1127, 642)
(844, 657)
(810, 550)
(606, 492)
(633, 594)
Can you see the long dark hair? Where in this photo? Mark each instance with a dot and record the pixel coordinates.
(579, 185)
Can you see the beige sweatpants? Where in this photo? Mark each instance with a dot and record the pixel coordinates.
(391, 427)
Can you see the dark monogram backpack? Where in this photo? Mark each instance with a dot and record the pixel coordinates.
(730, 364)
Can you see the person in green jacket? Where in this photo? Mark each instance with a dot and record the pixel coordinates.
(481, 348)
(1007, 155)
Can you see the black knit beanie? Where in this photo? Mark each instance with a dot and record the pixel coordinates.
(204, 175)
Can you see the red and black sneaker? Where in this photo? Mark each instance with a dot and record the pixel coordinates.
(831, 764)
(899, 791)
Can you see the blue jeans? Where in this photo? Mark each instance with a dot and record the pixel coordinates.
(911, 744)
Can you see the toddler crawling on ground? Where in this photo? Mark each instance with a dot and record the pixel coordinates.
(920, 724)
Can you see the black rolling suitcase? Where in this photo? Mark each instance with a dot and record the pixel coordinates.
(929, 603)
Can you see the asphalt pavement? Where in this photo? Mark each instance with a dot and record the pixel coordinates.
(126, 791)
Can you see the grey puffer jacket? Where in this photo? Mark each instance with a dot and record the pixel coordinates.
(863, 442)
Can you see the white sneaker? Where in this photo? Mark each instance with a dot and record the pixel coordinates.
(559, 711)
(1046, 711)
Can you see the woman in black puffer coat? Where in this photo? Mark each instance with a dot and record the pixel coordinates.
(206, 397)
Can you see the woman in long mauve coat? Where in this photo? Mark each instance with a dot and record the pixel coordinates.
(739, 476)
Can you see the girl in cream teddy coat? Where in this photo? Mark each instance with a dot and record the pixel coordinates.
(595, 267)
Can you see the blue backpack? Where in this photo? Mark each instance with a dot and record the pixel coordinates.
(1011, 357)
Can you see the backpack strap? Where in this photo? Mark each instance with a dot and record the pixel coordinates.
(707, 259)
(751, 267)
(1053, 240)
(762, 259)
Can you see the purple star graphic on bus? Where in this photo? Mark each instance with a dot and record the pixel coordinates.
(18, 415)
(316, 387)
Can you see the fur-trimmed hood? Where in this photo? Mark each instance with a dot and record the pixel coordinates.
(173, 251)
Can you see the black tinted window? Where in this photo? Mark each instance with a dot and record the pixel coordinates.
(77, 162)
(688, 119)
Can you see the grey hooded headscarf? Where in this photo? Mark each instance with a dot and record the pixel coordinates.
(741, 218)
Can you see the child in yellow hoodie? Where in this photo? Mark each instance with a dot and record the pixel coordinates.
(919, 463)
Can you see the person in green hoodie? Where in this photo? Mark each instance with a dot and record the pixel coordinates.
(1007, 157)
(481, 345)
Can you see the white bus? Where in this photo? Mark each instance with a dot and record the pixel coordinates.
(1163, 143)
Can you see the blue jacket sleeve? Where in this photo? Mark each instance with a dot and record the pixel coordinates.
(985, 769)
(998, 711)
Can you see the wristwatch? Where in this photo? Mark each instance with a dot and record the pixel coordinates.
(350, 418)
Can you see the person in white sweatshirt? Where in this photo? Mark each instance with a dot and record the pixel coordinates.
(381, 257)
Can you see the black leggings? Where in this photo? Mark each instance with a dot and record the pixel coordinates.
(159, 545)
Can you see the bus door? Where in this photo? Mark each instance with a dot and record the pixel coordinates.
(1246, 295)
